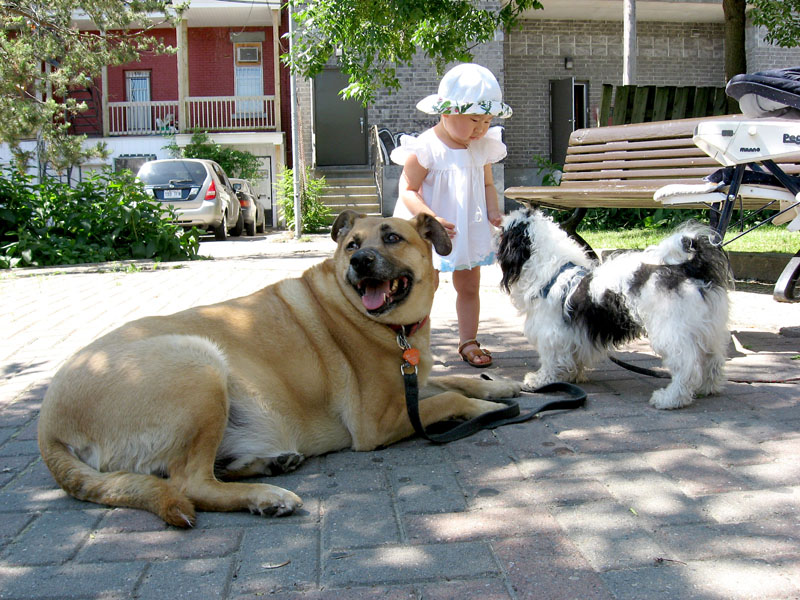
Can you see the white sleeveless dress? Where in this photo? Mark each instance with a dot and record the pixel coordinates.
(454, 189)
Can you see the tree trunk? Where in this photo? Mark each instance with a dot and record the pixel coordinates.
(735, 56)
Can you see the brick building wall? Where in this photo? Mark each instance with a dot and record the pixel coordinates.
(762, 56)
(164, 67)
(668, 54)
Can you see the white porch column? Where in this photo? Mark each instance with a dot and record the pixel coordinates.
(106, 114)
(276, 59)
(182, 33)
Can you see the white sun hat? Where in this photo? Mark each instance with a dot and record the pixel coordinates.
(467, 89)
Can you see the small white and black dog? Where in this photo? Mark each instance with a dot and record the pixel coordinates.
(577, 310)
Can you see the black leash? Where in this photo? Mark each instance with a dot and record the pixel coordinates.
(448, 431)
(640, 370)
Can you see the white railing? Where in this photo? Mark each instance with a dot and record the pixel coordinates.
(230, 113)
(211, 113)
(142, 118)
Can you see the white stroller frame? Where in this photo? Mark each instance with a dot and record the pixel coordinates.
(756, 144)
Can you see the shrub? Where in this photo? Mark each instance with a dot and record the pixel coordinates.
(106, 217)
(314, 213)
(235, 163)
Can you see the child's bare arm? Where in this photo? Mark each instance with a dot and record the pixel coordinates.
(410, 192)
(492, 204)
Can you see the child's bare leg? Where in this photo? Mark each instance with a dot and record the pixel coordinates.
(468, 308)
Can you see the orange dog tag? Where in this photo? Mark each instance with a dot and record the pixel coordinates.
(411, 356)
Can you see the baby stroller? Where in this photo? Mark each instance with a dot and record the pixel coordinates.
(750, 148)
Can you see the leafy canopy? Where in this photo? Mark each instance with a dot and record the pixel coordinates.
(43, 53)
(781, 18)
(370, 39)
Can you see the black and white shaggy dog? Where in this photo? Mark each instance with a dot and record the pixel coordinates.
(575, 310)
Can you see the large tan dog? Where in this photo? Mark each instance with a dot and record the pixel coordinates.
(149, 415)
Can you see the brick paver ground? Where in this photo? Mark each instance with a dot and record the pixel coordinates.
(616, 500)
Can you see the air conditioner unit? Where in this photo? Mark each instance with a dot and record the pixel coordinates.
(247, 54)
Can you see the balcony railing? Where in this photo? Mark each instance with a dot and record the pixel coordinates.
(142, 118)
(212, 113)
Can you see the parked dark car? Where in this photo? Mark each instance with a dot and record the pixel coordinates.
(198, 190)
(251, 207)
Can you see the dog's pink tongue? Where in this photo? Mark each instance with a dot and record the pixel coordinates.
(375, 296)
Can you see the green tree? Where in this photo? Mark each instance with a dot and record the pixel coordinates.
(44, 55)
(370, 39)
(236, 163)
(781, 18)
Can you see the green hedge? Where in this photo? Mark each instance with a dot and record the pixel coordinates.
(107, 217)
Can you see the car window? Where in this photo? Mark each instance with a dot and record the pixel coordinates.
(222, 176)
(178, 171)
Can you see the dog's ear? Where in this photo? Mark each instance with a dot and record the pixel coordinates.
(513, 252)
(344, 223)
(431, 230)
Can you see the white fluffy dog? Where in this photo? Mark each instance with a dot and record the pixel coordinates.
(576, 310)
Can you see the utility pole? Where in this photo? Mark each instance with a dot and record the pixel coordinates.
(629, 43)
(296, 158)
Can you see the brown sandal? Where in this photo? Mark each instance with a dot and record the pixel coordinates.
(471, 355)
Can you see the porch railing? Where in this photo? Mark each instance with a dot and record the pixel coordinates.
(142, 118)
(211, 113)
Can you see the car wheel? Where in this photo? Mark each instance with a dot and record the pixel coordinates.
(250, 228)
(239, 227)
(221, 230)
(260, 228)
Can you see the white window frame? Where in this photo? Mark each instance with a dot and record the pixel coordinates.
(139, 117)
(249, 76)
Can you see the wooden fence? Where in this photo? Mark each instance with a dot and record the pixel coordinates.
(625, 104)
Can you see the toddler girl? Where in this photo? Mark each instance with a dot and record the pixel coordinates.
(447, 173)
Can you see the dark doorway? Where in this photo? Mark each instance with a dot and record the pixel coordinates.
(569, 110)
(340, 126)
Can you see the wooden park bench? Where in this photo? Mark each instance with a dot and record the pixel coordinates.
(623, 166)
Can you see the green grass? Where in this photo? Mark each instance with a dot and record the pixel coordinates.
(763, 239)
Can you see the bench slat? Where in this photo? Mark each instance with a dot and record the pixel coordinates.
(576, 161)
(685, 144)
(661, 169)
(625, 174)
(670, 164)
(641, 131)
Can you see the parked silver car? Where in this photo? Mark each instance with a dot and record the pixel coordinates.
(198, 190)
(251, 207)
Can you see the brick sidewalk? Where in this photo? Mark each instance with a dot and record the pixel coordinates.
(616, 500)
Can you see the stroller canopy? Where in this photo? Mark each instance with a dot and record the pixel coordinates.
(767, 93)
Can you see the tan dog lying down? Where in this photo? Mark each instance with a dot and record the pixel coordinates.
(150, 414)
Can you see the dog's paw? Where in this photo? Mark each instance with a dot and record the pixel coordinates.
(534, 380)
(179, 512)
(284, 463)
(502, 388)
(667, 399)
(273, 501)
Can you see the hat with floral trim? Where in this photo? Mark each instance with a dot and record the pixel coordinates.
(467, 89)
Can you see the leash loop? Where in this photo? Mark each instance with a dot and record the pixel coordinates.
(449, 431)
(506, 415)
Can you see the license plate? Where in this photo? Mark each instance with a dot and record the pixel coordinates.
(173, 194)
